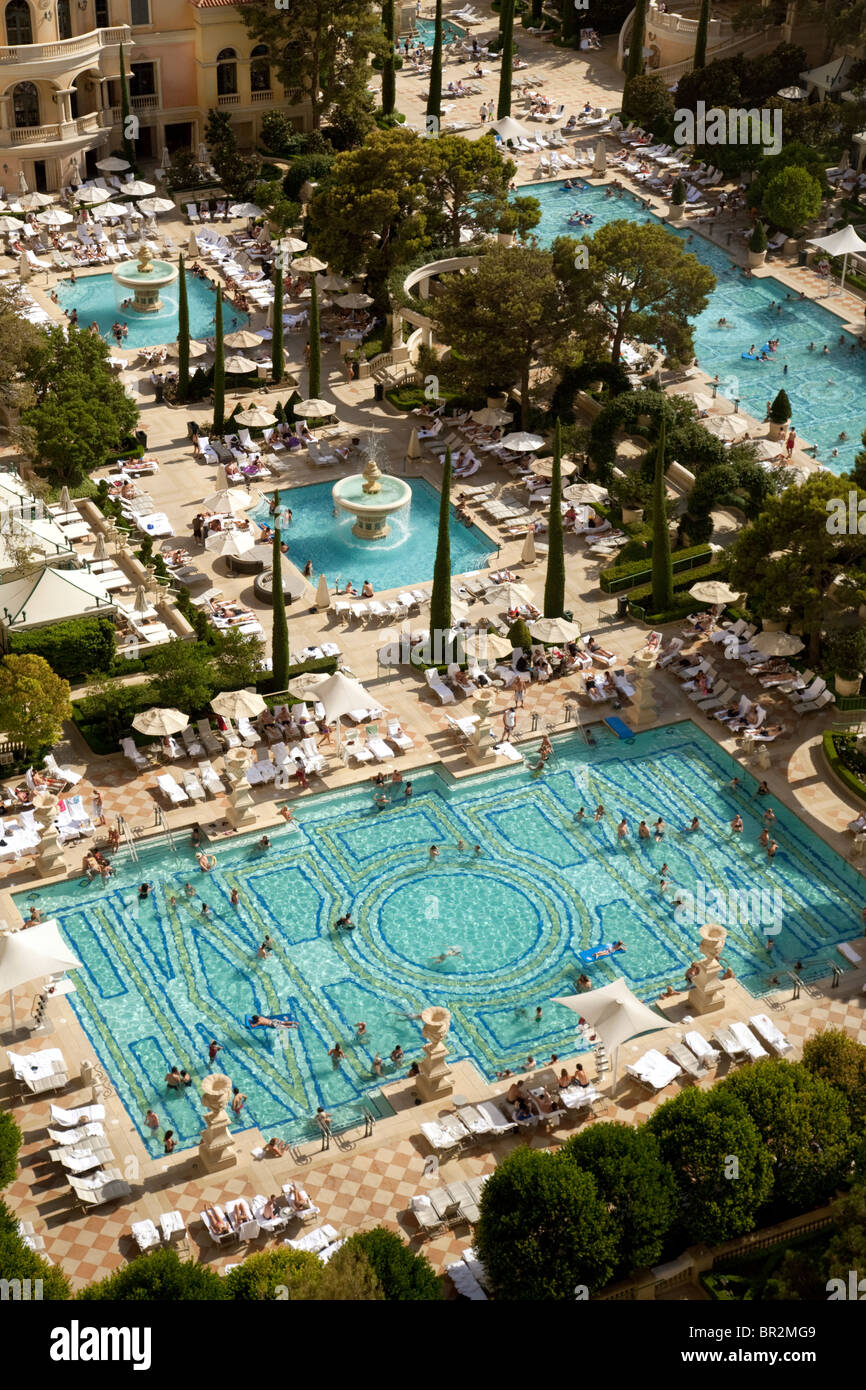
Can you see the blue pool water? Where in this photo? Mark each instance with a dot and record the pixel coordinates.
(99, 297)
(826, 392)
(160, 981)
(425, 29)
(403, 557)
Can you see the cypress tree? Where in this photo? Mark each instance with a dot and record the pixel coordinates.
(662, 569)
(182, 335)
(280, 628)
(434, 91)
(389, 81)
(554, 583)
(314, 385)
(219, 370)
(128, 146)
(634, 66)
(506, 49)
(701, 35)
(440, 597)
(277, 363)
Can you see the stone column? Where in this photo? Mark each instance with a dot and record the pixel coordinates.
(480, 745)
(642, 712)
(242, 808)
(434, 1079)
(50, 860)
(216, 1147)
(707, 994)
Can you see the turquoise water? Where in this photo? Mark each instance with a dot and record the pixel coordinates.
(160, 981)
(404, 557)
(99, 297)
(826, 392)
(425, 29)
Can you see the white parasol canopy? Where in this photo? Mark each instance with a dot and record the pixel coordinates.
(243, 339)
(36, 200)
(713, 591)
(491, 415)
(160, 722)
(196, 349)
(245, 210)
(521, 442)
(307, 265)
(137, 188)
(509, 129)
(616, 1015)
(113, 164)
(54, 217)
(30, 955)
(238, 365)
(292, 244)
(508, 595)
(156, 205)
(339, 694)
(730, 427)
(315, 408)
(111, 210)
(231, 500)
(238, 704)
(10, 224)
(336, 284)
(777, 643)
(91, 197)
(257, 417)
(230, 543)
(585, 492)
(555, 630)
(840, 243)
(354, 301)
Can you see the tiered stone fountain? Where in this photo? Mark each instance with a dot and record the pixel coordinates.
(145, 278)
(371, 496)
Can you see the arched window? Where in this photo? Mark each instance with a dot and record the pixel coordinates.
(64, 20)
(260, 69)
(227, 72)
(19, 26)
(25, 104)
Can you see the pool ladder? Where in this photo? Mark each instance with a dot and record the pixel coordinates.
(126, 835)
(161, 823)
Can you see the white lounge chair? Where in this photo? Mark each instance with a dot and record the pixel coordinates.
(653, 1070)
(706, 1055)
(192, 786)
(747, 1040)
(377, 746)
(132, 754)
(770, 1034)
(71, 1119)
(173, 793)
(60, 774)
(396, 736)
(446, 696)
(209, 779)
(145, 1235)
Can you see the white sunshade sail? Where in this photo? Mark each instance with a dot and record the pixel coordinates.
(616, 1015)
(843, 243)
(30, 955)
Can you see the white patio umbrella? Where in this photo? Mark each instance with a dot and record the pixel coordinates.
(726, 426)
(160, 722)
(243, 339)
(54, 217)
(293, 244)
(307, 265)
(230, 543)
(509, 129)
(702, 400)
(156, 205)
(37, 200)
(238, 704)
(323, 593)
(841, 243)
(22, 181)
(315, 408)
(237, 365)
(92, 197)
(100, 550)
(491, 415)
(113, 164)
(555, 630)
(490, 645)
(713, 591)
(768, 448)
(527, 554)
(9, 225)
(245, 210)
(141, 603)
(137, 188)
(599, 163)
(234, 500)
(522, 443)
(616, 1015)
(339, 694)
(256, 417)
(335, 283)
(112, 210)
(508, 596)
(31, 955)
(354, 301)
(65, 500)
(585, 492)
(196, 349)
(777, 643)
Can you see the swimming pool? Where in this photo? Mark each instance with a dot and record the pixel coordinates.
(825, 391)
(160, 981)
(99, 297)
(405, 556)
(425, 30)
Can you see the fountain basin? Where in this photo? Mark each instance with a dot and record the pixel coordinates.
(145, 278)
(371, 509)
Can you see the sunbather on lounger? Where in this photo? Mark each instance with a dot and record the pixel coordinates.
(218, 1224)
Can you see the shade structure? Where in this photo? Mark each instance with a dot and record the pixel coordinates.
(196, 349)
(355, 301)
(165, 161)
(491, 416)
(111, 210)
(10, 224)
(713, 591)
(522, 443)
(65, 500)
(493, 646)
(307, 265)
(32, 954)
(726, 426)
(527, 554)
(160, 722)
(841, 243)
(231, 500)
(339, 694)
(137, 188)
(323, 593)
(54, 217)
(555, 630)
(508, 595)
(585, 492)
(141, 603)
(238, 704)
(292, 244)
(37, 200)
(543, 468)
(777, 643)
(335, 284)
(768, 448)
(615, 1014)
(599, 163)
(256, 417)
(702, 400)
(307, 684)
(245, 210)
(156, 205)
(230, 543)
(315, 408)
(91, 197)
(509, 129)
(238, 365)
(100, 550)
(113, 164)
(243, 339)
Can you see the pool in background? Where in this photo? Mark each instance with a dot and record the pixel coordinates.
(404, 557)
(826, 392)
(160, 981)
(425, 30)
(99, 297)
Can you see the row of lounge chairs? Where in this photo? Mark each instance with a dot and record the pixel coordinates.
(243, 1221)
(454, 1204)
(82, 1150)
(693, 1055)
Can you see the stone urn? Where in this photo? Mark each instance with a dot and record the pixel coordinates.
(434, 1078)
(775, 431)
(756, 258)
(676, 212)
(632, 515)
(848, 685)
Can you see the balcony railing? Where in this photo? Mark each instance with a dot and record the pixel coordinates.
(256, 97)
(50, 134)
(65, 48)
(228, 99)
(34, 135)
(148, 103)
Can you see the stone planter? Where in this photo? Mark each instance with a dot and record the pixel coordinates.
(757, 258)
(848, 685)
(676, 212)
(776, 431)
(632, 515)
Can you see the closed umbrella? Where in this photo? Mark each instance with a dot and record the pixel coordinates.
(238, 704)
(161, 723)
(230, 543)
(339, 694)
(245, 210)
(222, 480)
(414, 449)
(777, 643)
(22, 181)
(616, 1015)
(156, 205)
(243, 339)
(527, 554)
(54, 217)
(137, 188)
(555, 630)
(100, 551)
(522, 443)
(31, 955)
(113, 164)
(307, 265)
(323, 593)
(491, 415)
(192, 245)
(196, 349)
(354, 301)
(315, 408)
(238, 365)
(256, 417)
(599, 163)
(92, 197)
(234, 501)
(141, 603)
(203, 156)
(65, 500)
(165, 162)
(713, 591)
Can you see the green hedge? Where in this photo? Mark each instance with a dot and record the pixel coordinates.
(679, 611)
(846, 776)
(73, 649)
(684, 580)
(636, 572)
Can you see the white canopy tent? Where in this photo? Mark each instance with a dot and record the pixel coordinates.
(52, 596)
(616, 1015)
(339, 694)
(509, 129)
(32, 954)
(842, 243)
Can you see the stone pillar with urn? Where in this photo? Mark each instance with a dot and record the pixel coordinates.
(642, 712)
(479, 744)
(216, 1148)
(241, 808)
(707, 994)
(50, 860)
(434, 1079)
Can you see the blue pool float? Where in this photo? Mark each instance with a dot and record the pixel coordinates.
(750, 356)
(607, 948)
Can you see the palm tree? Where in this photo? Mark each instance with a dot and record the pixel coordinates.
(662, 568)
(314, 385)
(219, 370)
(440, 597)
(182, 334)
(278, 365)
(389, 86)
(434, 91)
(701, 35)
(280, 627)
(554, 583)
(506, 51)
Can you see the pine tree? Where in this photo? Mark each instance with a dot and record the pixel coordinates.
(182, 335)
(128, 146)
(662, 569)
(634, 67)
(701, 35)
(389, 81)
(440, 598)
(506, 50)
(280, 628)
(434, 91)
(219, 370)
(554, 584)
(314, 386)
(277, 363)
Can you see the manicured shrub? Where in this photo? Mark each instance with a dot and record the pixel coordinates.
(404, 1276)
(160, 1277)
(72, 649)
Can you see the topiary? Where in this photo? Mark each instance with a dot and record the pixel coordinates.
(780, 410)
(758, 239)
(519, 635)
(678, 194)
